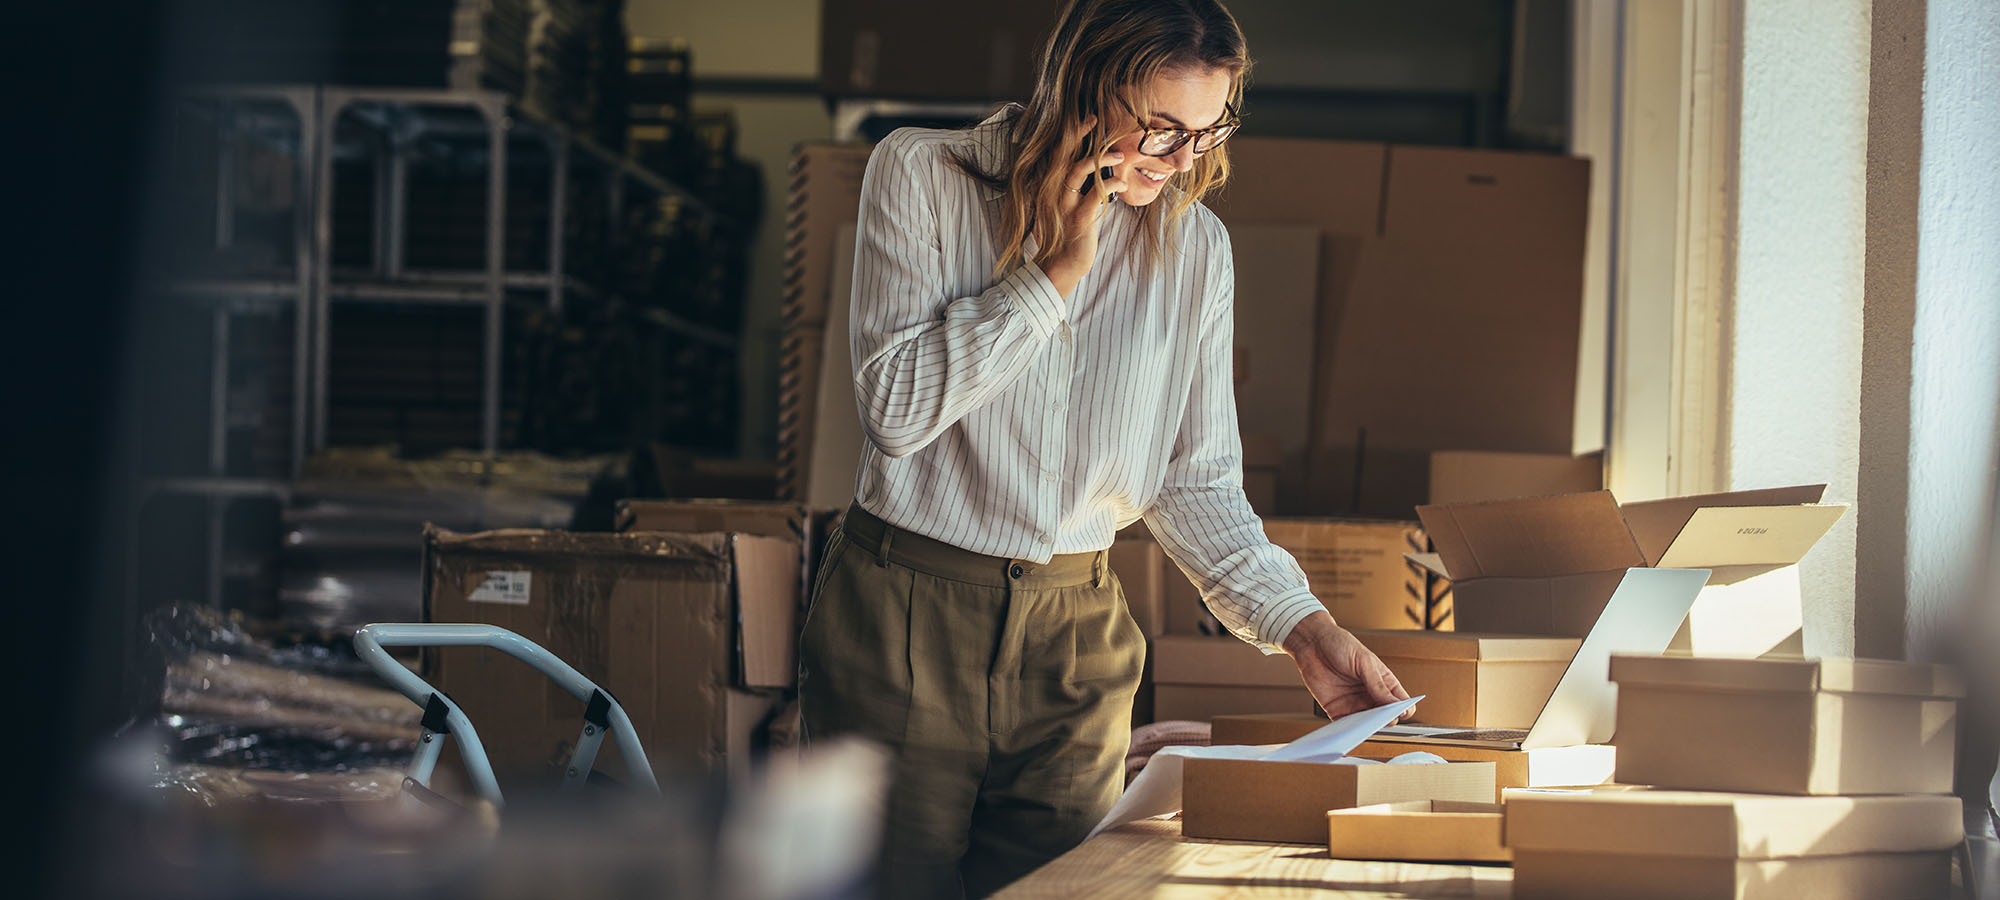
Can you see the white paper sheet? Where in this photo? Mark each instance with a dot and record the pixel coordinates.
(1339, 738)
(1157, 790)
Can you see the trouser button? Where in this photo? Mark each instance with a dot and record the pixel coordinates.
(1016, 570)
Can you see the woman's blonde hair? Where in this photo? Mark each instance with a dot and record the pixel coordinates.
(1101, 56)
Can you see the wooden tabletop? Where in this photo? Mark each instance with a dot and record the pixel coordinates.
(1150, 859)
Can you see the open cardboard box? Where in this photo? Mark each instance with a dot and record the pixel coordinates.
(1786, 726)
(1547, 565)
(1417, 830)
(1287, 802)
(1584, 764)
(1674, 844)
(1474, 680)
(695, 634)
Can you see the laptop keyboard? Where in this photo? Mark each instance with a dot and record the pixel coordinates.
(1485, 734)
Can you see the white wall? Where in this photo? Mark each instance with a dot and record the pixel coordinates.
(1794, 357)
(1955, 359)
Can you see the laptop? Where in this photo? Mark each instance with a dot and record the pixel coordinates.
(1641, 617)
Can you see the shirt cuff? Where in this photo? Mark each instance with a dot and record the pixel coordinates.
(1035, 296)
(1275, 620)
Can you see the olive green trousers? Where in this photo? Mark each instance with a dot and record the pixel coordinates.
(1002, 688)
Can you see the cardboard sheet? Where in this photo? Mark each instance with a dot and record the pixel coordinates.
(836, 442)
(1277, 275)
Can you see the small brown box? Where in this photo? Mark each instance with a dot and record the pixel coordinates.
(1287, 802)
(1474, 680)
(1786, 726)
(1417, 830)
(1198, 678)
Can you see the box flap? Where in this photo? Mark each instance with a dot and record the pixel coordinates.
(1730, 826)
(1533, 537)
(1655, 522)
(767, 609)
(1730, 673)
(1749, 535)
(1430, 562)
(1466, 645)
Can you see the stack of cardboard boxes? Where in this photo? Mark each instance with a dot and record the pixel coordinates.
(1528, 578)
(1826, 778)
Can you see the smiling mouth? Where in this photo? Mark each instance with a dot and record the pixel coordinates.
(1153, 177)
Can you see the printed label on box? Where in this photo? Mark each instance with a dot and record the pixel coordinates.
(503, 587)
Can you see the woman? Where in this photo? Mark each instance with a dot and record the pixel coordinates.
(1042, 320)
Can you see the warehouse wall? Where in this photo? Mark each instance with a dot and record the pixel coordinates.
(1955, 366)
(1795, 352)
(771, 47)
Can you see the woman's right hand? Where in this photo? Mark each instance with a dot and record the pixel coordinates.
(1082, 205)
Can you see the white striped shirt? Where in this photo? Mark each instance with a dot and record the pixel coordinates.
(1005, 420)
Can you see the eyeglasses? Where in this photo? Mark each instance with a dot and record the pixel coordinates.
(1167, 141)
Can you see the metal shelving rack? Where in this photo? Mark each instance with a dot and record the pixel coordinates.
(313, 284)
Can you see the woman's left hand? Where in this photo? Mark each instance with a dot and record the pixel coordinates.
(1344, 676)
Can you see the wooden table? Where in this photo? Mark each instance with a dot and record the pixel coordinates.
(1150, 859)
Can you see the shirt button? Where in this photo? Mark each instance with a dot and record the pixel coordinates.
(1048, 477)
(1059, 406)
(1015, 571)
(1041, 538)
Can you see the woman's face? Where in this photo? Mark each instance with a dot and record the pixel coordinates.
(1179, 98)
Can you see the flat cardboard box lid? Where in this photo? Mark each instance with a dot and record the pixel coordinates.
(1467, 645)
(1824, 675)
(1532, 537)
(1730, 826)
(1656, 523)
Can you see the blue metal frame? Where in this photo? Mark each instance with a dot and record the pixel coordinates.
(602, 712)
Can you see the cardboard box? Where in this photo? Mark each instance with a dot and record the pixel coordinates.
(1474, 680)
(1181, 610)
(824, 195)
(1672, 844)
(764, 518)
(1463, 476)
(1417, 830)
(891, 49)
(1585, 764)
(694, 634)
(1197, 678)
(1287, 802)
(1472, 257)
(1141, 570)
(1277, 295)
(801, 353)
(1798, 726)
(1547, 565)
(1357, 567)
(1263, 455)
